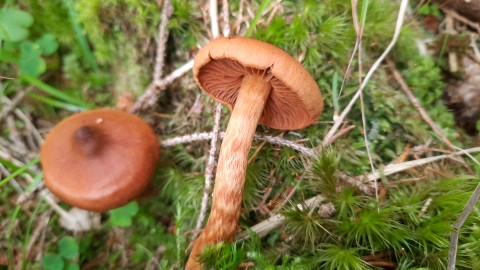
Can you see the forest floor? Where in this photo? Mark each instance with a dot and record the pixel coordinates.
(382, 180)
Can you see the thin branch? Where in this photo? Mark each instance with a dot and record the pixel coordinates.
(167, 11)
(472, 201)
(225, 18)
(205, 136)
(177, 73)
(212, 11)
(30, 126)
(209, 171)
(452, 253)
(416, 104)
(12, 104)
(398, 167)
(339, 134)
(398, 27)
(462, 19)
(150, 97)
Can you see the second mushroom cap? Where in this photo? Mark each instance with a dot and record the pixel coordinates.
(99, 159)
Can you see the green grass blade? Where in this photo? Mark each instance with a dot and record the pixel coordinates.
(9, 232)
(56, 103)
(36, 180)
(363, 16)
(56, 93)
(27, 233)
(19, 171)
(82, 41)
(254, 22)
(335, 89)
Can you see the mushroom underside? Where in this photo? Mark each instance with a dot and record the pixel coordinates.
(283, 109)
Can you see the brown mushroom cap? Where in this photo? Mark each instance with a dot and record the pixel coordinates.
(295, 100)
(99, 159)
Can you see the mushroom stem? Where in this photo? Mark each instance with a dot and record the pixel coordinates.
(232, 166)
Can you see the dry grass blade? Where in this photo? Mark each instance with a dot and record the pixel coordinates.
(398, 27)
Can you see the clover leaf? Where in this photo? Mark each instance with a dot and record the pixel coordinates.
(14, 24)
(47, 43)
(122, 216)
(68, 247)
(30, 62)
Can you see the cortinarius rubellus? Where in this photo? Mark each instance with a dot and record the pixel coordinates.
(261, 84)
(100, 159)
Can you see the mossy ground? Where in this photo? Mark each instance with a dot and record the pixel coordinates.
(106, 49)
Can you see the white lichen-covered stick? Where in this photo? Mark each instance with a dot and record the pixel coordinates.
(204, 136)
(275, 221)
(262, 85)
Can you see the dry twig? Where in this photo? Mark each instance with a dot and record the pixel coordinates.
(212, 11)
(209, 171)
(162, 39)
(416, 104)
(204, 136)
(12, 104)
(452, 253)
(462, 19)
(469, 206)
(225, 18)
(150, 97)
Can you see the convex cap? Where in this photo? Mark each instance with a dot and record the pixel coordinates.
(295, 100)
(99, 159)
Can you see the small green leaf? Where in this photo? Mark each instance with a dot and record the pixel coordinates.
(72, 266)
(424, 10)
(14, 24)
(30, 62)
(68, 247)
(122, 216)
(47, 43)
(52, 262)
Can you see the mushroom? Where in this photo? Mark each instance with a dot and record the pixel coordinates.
(261, 84)
(99, 159)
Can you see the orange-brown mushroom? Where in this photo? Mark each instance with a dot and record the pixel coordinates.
(99, 159)
(262, 84)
